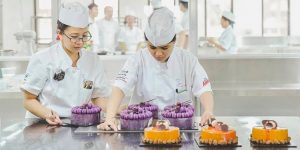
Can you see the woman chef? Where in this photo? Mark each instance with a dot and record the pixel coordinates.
(227, 40)
(64, 75)
(160, 71)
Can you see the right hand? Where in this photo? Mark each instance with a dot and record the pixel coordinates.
(53, 118)
(109, 124)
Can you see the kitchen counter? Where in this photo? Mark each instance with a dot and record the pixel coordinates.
(34, 134)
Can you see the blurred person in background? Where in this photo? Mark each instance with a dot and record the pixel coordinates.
(93, 13)
(227, 41)
(108, 31)
(183, 27)
(131, 37)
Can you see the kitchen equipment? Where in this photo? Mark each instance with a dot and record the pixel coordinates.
(26, 39)
(7, 52)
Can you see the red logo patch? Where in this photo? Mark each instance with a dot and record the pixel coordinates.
(205, 82)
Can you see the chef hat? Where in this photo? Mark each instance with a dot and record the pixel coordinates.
(74, 14)
(228, 15)
(160, 29)
(130, 13)
(156, 4)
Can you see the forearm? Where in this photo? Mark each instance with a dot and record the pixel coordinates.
(114, 103)
(35, 107)
(207, 101)
(219, 46)
(101, 102)
(216, 44)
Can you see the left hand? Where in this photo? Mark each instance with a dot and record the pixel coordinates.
(205, 117)
(211, 40)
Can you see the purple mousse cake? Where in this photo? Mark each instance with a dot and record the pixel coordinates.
(135, 119)
(146, 106)
(85, 115)
(179, 115)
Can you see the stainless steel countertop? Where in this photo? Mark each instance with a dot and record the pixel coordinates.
(34, 134)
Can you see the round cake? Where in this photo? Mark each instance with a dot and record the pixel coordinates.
(135, 118)
(161, 133)
(85, 115)
(213, 136)
(147, 106)
(179, 115)
(269, 133)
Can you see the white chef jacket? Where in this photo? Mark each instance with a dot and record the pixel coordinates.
(108, 34)
(228, 40)
(62, 95)
(93, 28)
(154, 80)
(131, 37)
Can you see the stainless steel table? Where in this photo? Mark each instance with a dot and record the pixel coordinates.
(36, 134)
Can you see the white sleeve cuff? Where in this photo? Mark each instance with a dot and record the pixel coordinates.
(31, 89)
(122, 86)
(204, 89)
(101, 94)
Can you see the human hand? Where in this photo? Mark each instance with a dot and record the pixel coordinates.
(53, 118)
(109, 124)
(206, 116)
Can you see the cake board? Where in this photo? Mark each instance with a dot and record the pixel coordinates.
(200, 145)
(288, 145)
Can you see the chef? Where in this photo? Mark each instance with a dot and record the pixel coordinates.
(183, 28)
(227, 41)
(108, 30)
(93, 28)
(161, 72)
(65, 75)
(130, 37)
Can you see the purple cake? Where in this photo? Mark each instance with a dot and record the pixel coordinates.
(147, 106)
(85, 115)
(135, 119)
(179, 115)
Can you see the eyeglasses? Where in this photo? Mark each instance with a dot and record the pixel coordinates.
(74, 39)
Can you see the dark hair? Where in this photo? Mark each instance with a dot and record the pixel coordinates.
(62, 27)
(92, 5)
(185, 4)
(125, 20)
(173, 40)
(230, 22)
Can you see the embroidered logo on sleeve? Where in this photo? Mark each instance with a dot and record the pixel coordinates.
(122, 76)
(26, 77)
(205, 82)
(88, 84)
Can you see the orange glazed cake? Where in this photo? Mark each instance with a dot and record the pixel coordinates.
(161, 133)
(269, 133)
(218, 133)
(212, 136)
